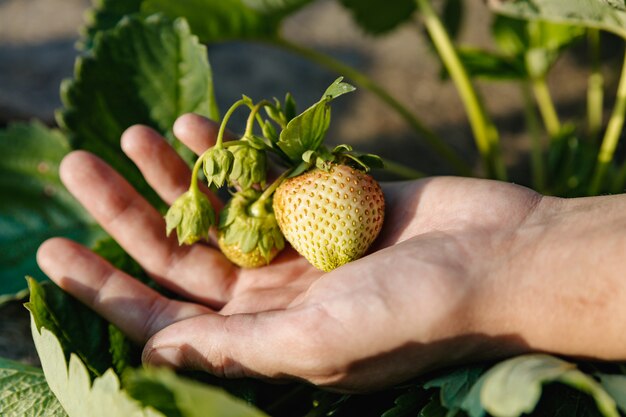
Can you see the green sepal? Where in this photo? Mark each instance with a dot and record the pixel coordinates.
(251, 226)
(216, 164)
(364, 162)
(192, 216)
(306, 131)
(249, 165)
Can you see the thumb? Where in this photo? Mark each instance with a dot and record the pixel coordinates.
(271, 345)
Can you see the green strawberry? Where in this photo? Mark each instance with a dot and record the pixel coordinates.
(247, 233)
(330, 217)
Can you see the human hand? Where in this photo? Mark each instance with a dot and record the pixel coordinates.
(421, 300)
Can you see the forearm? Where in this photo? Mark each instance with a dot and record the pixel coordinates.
(561, 285)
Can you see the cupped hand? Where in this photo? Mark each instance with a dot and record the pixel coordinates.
(406, 308)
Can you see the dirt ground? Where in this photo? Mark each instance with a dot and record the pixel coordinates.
(37, 51)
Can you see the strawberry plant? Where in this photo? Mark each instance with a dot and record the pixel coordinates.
(144, 61)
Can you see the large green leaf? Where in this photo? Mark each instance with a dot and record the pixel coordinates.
(189, 398)
(377, 17)
(145, 70)
(218, 20)
(514, 387)
(79, 330)
(104, 15)
(104, 396)
(35, 205)
(601, 14)
(25, 393)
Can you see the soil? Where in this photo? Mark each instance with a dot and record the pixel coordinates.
(37, 40)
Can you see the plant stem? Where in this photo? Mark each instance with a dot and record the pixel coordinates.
(611, 136)
(402, 170)
(231, 110)
(485, 134)
(595, 93)
(435, 142)
(193, 187)
(546, 106)
(532, 123)
(253, 113)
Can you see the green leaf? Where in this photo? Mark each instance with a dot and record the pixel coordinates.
(104, 15)
(306, 131)
(71, 384)
(282, 7)
(458, 389)
(600, 14)
(434, 409)
(35, 205)
(407, 404)
(214, 21)
(534, 44)
(147, 71)
(615, 385)
(377, 17)
(79, 330)
(489, 65)
(25, 393)
(513, 387)
(190, 398)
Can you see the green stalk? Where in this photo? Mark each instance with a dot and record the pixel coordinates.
(231, 110)
(251, 118)
(595, 93)
(532, 122)
(435, 142)
(193, 187)
(485, 133)
(402, 170)
(546, 106)
(611, 136)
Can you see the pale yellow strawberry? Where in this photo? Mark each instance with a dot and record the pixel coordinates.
(330, 218)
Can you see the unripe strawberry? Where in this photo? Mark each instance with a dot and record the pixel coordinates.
(330, 218)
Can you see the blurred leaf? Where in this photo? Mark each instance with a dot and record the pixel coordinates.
(80, 331)
(452, 17)
(35, 205)
(537, 44)
(219, 20)
(376, 17)
(460, 390)
(601, 14)
(407, 404)
(276, 6)
(434, 409)
(615, 385)
(185, 397)
(25, 393)
(513, 387)
(104, 15)
(570, 164)
(147, 71)
(489, 65)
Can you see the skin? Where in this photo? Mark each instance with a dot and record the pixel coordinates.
(464, 270)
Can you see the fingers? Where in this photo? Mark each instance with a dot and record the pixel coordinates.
(261, 345)
(136, 309)
(161, 166)
(197, 272)
(197, 132)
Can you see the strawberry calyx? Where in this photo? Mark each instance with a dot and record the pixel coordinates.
(192, 216)
(249, 226)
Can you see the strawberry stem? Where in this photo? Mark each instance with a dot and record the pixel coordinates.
(253, 112)
(231, 110)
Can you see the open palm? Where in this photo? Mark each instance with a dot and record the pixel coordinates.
(395, 313)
